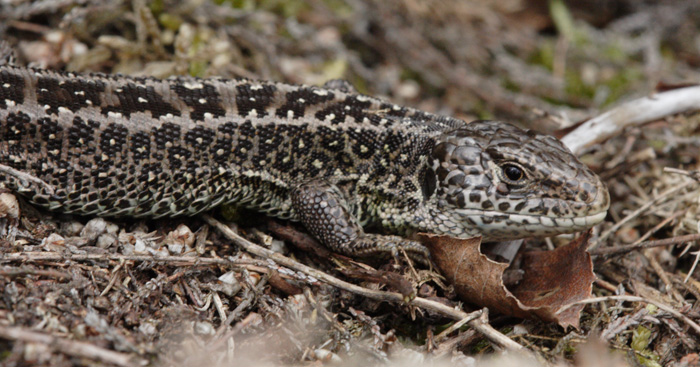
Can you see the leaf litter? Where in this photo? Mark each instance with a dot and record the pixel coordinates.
(177, 292)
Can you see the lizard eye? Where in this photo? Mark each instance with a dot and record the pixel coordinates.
(513, 174)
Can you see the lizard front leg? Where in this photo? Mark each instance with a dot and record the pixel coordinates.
(324, 211)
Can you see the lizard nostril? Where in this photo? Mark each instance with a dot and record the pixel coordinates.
(502, 188)
(583, 196)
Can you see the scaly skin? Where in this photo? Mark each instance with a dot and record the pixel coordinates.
(337, 161)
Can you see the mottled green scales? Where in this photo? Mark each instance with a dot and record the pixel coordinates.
(335, 160)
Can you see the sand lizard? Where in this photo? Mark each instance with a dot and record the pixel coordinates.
(335, 160)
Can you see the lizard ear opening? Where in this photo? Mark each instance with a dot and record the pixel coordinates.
(428, 183)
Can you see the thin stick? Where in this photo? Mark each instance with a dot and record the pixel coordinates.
(660, 305)
(71, 347)
(25, 177)
(607, 251)
(53, 256)
(457, 325)
(692, 268)
(639, 211)
(636, 112)
(661, 224)
(37, 272)
(659, 270)
(478, 324)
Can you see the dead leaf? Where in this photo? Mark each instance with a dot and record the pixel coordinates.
(551, 279)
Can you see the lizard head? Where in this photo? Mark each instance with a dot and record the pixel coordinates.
(502, 182)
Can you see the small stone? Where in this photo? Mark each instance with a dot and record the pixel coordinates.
(520, 329)
(112, 228)
(54, 239)
(102, 303)
(408, 89)
(229, 284)
(139, 246)
(161, 252)
(278, 246)
(127, 249)
(327, 356)
(140, 227)
(36, 353)
(204, 328)
(9, 207)
(175, 248)
(76, 241)
(182, 236)
(93, 229)
(148, 328)
(228, 278)
(106, 240)
(71, 228)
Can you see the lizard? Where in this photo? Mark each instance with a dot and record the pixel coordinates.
(337, 161)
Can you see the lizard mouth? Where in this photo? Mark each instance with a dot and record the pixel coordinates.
(572, 216)
(495, 225)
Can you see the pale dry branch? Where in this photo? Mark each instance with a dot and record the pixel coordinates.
(635, 112)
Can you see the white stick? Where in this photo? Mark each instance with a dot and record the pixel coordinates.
(636, 112)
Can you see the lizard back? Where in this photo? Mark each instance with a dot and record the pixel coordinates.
(139, 146)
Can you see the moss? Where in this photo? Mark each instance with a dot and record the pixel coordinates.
(286, 8)
(242, 4)
(334, 69)
(339, 8)
(614, 53)
(198, 68)
(544, 55)
(170, 21)
(641, 338)
(511, 85)
(481, 347)
(156, 6)
(482, 111)
(620, 83)
(576, 86)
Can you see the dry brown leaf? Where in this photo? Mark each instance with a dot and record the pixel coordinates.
(551, 279)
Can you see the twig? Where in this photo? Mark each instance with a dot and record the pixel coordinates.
(636, 112)
(660, 225)
(457, 325)
(450, 345)
(71, 347)
(7, 54)
(478, 324)
(179, 260)
(250, 297)
(637, 212)
(660, 305)
(646, 244)
(662, 274)
(605, 285)
(113, 279)
(622, 323)
(37, 272)
(26, 178)
(695, 264)
(256, 265)
(694, 174)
